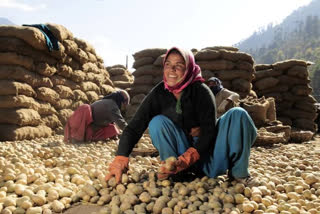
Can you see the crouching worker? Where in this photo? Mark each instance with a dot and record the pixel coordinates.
(225, 99)
(99, 121)
(181, 116)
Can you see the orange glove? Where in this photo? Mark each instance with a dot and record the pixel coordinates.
(184, 161)
(117, 167)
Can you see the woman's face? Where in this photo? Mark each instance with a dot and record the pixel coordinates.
(174, 69)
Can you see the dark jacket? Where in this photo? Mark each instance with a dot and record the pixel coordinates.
(198, 109)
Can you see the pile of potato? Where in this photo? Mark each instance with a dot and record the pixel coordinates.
(47, 176)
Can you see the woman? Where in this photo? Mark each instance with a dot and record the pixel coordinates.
(225, 99)
(181, 115)
(97, 121)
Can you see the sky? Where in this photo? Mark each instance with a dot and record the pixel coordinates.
(119, 28)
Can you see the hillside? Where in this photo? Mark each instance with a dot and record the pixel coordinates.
(297, 37)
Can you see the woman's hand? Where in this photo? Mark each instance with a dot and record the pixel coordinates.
(184, 161)
(195, 132)
(118, 166)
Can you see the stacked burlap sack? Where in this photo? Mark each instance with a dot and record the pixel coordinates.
(40, 89)
(288, 82)
(120, 76)
(233, 68)
(148, 73)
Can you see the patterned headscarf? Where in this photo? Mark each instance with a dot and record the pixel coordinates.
(218, 87)
(191, 75)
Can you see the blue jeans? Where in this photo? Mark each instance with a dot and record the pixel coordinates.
(236, 135)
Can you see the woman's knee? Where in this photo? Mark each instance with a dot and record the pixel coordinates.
(157, 121)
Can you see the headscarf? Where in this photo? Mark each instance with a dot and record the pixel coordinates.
(218, 87)
(120, 96)
(191, 75)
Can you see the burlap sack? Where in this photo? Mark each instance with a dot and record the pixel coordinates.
(257, 111)
(74, 64)
(225, 75)
(277, 89)
(45, 108)
(92, 96)
(89, 86)
(294, 98)
(20, 116)
(283, 106)
(299, 136)
(285, 120)
(216, 65)
(59, 31)
(47, 95)
(142, 80)
(70, 47)
(266, 73)
(80, 95)
(155, 52)
(122, 84)
(107, 89)
(14, 132)
(291, 81)
(123, 77)
(241, 85)
(298, 71)
(206, 74)
(11, 58)
(86, 47)
(78, 76)
(305, 106)
(137, 99)
(45, 69)
(30, 35)
(305, 124)
(266, 83)
(206, 55)
(141, 89)
(92, 57)
(64, 70)
(302, 90)
(131, 110)
(298, 114)
(143, 61)
(20, 101)
(64, 114)
(259, 67)
(23, 75)
(75, 105)
(51, 121)
(114, 71)
(59, 80)
(16, 88)
(81, 56)
(236, 56)
(284, 65)
(157, 80)
(148, 70)
(98, 79)
(64, 91)
(91, 67)
(271, 111)
(62, 104)
(219, 48)
(275, 95)
(108, 82)
(243, 65)
(159, 60)
(11, 44)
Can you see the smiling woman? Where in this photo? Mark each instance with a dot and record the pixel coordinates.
(174, 68)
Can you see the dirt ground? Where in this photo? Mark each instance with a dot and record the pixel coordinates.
(88, 209)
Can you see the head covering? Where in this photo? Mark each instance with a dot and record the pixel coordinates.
(120, 96)
(191, 75)
(218, 87)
